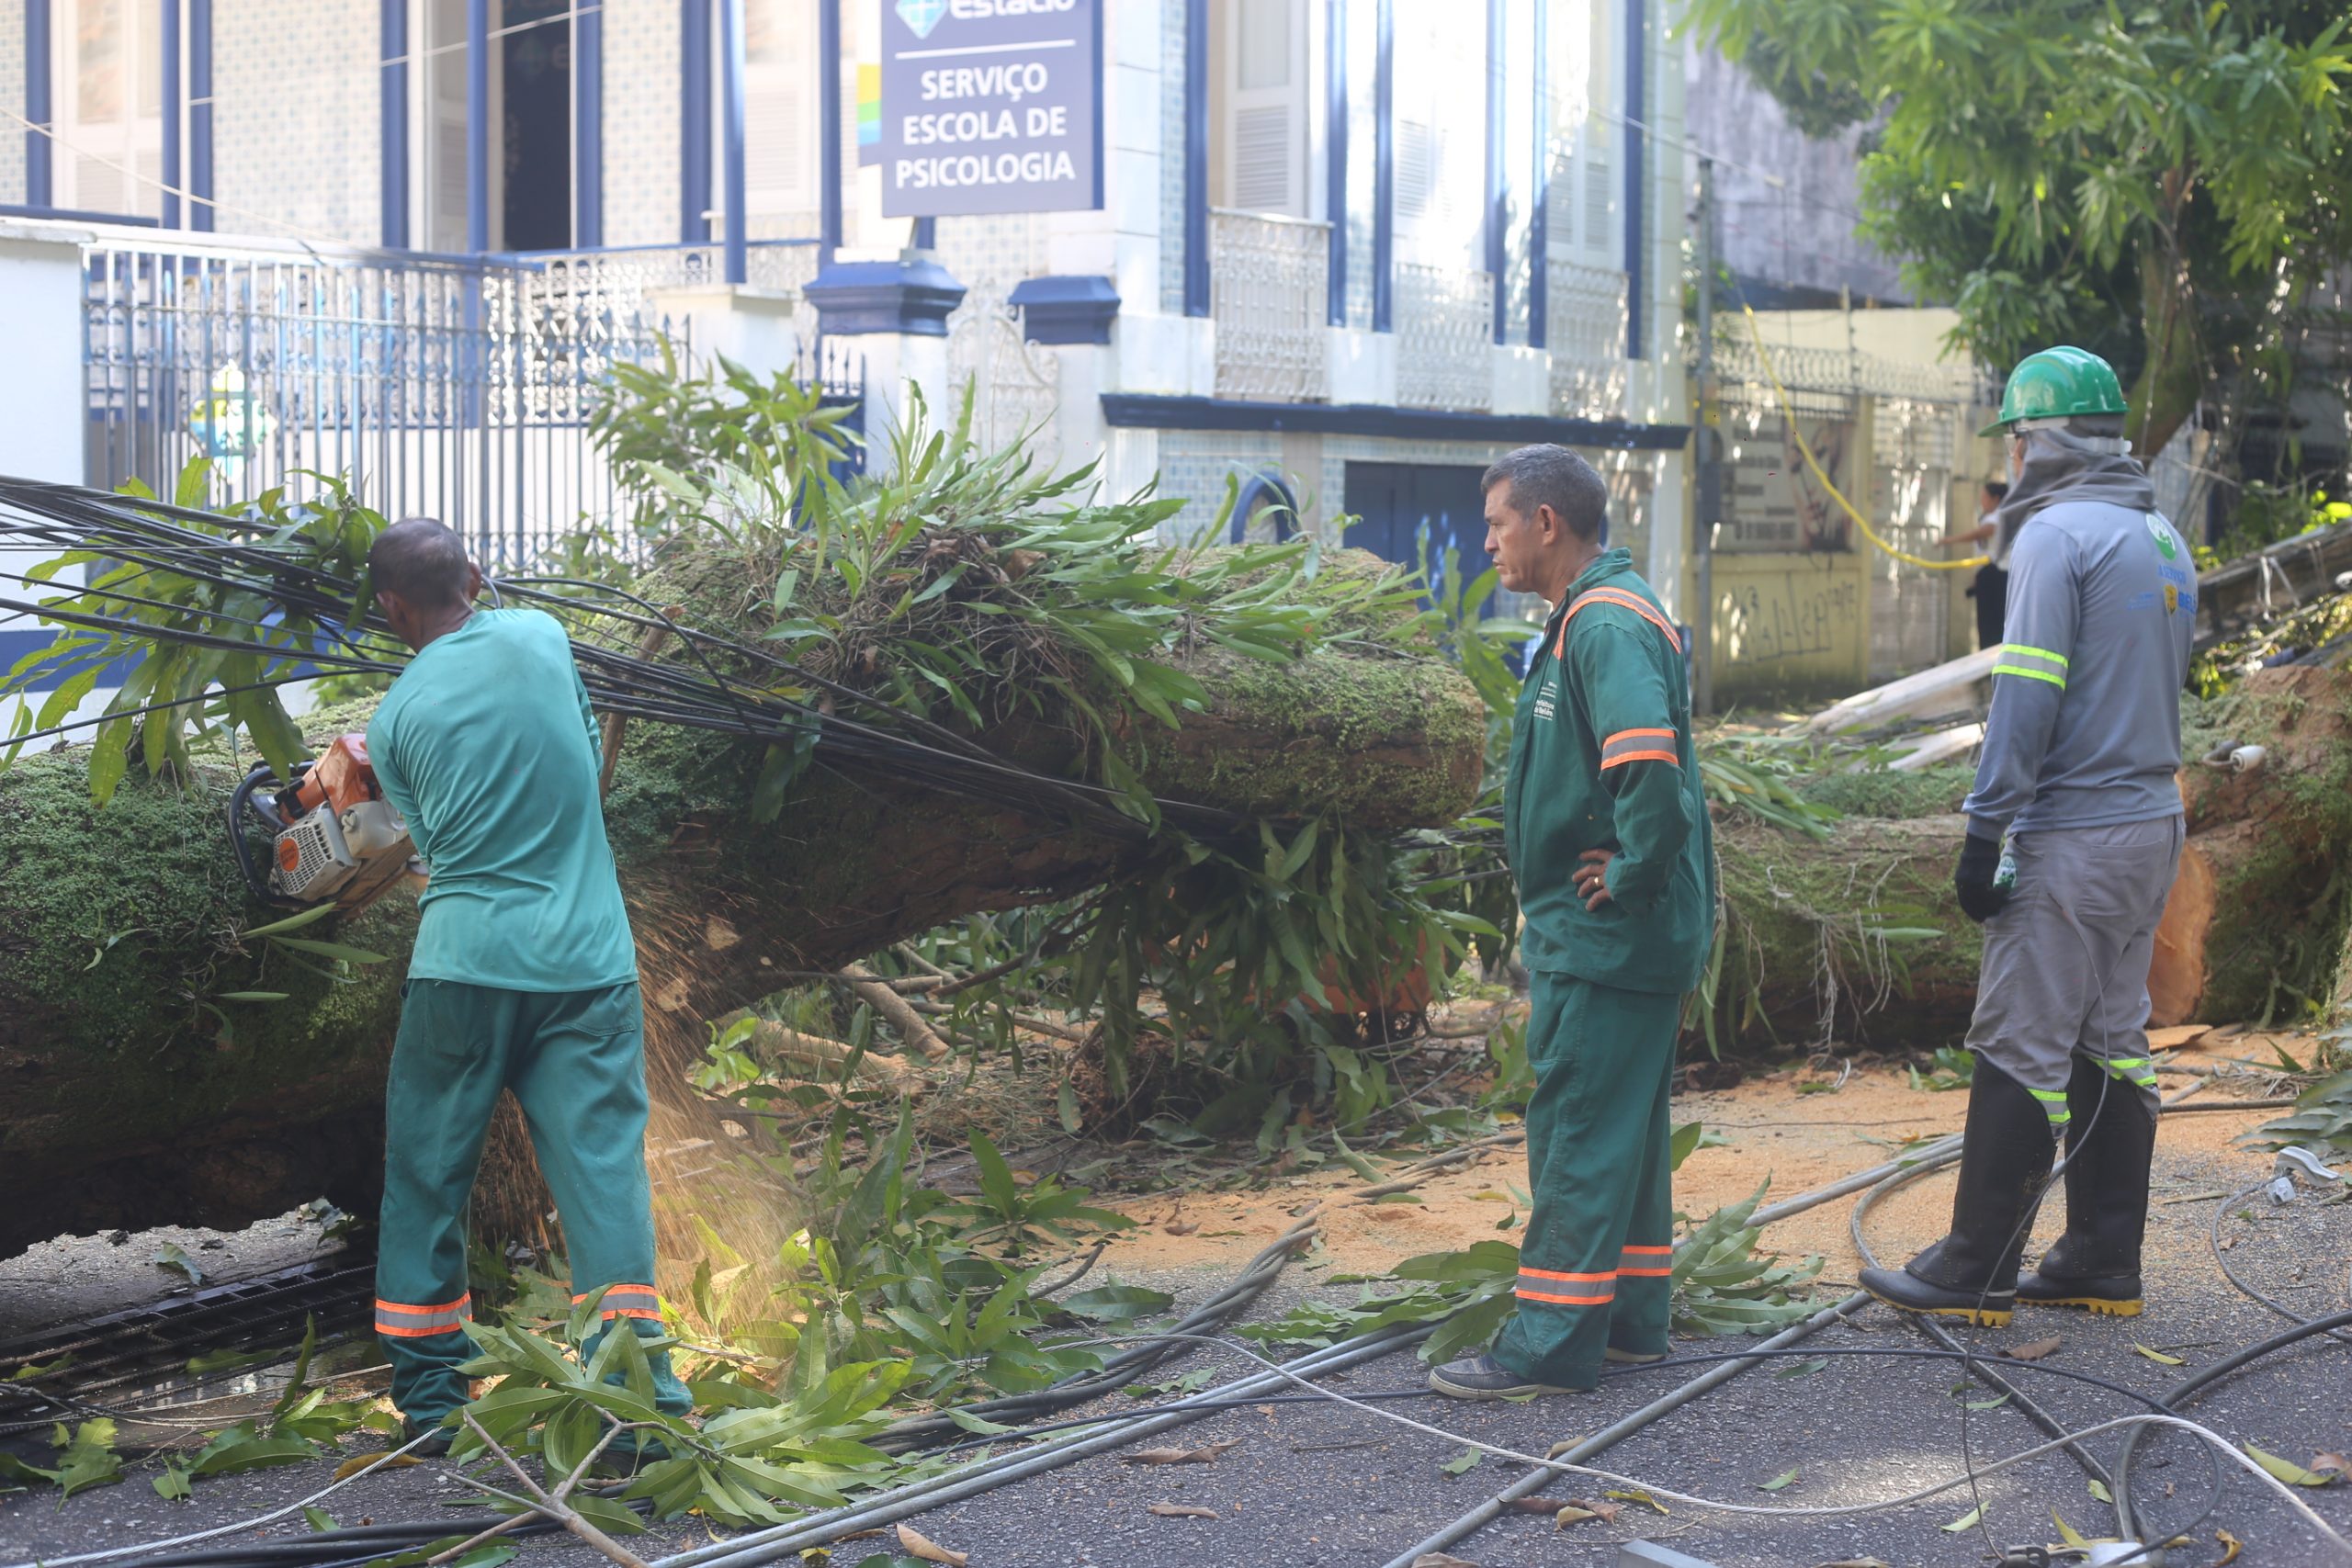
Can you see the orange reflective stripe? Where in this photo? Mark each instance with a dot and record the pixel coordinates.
(1622, 599)
(1527, 1295)
(1646, 1273)
(1620, 759)
(458, 1305)
(625, 1301)
(1650, 1251)
(1527, 1273)
(391, 1332)
(1631, 734)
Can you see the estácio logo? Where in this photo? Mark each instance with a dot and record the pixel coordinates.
(2162, 535)
(921, 14)
(985, 10)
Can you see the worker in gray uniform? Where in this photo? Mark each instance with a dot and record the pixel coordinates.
(2079, 776)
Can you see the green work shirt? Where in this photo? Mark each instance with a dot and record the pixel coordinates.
(487, 746)
(1602, 757)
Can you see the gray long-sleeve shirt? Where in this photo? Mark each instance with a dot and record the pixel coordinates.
(2085, 730)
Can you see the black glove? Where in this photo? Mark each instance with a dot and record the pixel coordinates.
(1980, 861)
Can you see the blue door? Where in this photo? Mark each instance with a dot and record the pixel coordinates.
(1404, 504)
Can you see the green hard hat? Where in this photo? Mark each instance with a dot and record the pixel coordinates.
(2056, 383)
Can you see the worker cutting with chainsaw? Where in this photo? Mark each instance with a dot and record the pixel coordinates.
(2078, 772)
(523, 975)
(1608, 836)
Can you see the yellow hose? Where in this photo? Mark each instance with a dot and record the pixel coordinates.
(1814, 464)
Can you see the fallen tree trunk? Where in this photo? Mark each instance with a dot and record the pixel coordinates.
(134, 1090)
(1861, 940)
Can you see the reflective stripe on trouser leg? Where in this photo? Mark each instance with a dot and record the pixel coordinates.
(2066, 962)
(1602, 1058)
(449, 1064)
(580, 1077)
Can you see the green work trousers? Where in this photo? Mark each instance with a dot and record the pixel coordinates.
(576, 1062)
(1595, 1262)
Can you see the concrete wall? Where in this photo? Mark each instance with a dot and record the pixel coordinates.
(295, 137)
(1801, 231)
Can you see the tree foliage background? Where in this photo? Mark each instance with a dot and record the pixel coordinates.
(2162, 184)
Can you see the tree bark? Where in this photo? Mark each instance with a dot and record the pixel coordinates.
(132, 1094)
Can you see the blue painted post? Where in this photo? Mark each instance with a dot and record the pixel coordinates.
(831, 227)
(199, 114)
(1539, 199)
(38, 192)
(477, 125)
(731, 142)
(923, 235)
(1497, 169)
(1335, 154)
(170, 50)
(392, 136)
(1383, 173)
(1196, 157)
(1637, 21)
(694, 121)
(588, 126)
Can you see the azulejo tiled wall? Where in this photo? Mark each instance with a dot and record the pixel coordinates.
(640, 95)
(295, 122)
(12, 93)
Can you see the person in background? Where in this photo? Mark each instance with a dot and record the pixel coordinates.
(524, 974)
(1608, 836)
(1990, 589)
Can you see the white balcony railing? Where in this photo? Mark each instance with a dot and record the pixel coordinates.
(1269, 298)
(627, 277)
(1444, 333)
(1584, 324)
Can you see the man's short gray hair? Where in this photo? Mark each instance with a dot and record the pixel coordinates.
(421, 560)
(1546, 475)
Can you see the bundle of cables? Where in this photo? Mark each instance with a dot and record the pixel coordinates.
(309, 621)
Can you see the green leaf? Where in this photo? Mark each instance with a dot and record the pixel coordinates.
(1778, 1483)
(2287, 1470)
(1356, 1162)
(172, 1484)
(1967, 1521)
(1119, 1303)
(319, 1520)
(172, 1256)
(291, 922)
(331, 950)
(1464, 1463)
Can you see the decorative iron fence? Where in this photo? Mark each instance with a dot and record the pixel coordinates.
(1268, 297)
(1445, 336)
(455, 387)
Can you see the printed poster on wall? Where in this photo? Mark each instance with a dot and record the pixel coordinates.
(990, 106)
(1771, 500)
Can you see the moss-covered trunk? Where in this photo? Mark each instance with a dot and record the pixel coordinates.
(132, 1093)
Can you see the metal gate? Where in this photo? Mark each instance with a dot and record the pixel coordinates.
(455, 387)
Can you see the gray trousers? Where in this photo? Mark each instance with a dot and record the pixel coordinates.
(2066, 961)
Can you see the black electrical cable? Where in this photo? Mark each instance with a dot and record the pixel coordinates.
(1910, 1352)
(2246, 1287)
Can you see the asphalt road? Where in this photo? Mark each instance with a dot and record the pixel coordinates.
(1322, 1483)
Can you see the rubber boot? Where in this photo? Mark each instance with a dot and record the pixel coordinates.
(2095, 1264)
(1971, 1273)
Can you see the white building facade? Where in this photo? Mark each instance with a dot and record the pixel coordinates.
(1346, 252)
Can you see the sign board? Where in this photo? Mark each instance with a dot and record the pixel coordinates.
(1771, 500)
(990, 106)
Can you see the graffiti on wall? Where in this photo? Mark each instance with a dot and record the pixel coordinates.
(1787, 616)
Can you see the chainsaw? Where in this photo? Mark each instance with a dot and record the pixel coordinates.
(333, 837)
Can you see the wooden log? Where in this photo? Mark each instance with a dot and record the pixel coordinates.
(2256, 926)
(132, 1092)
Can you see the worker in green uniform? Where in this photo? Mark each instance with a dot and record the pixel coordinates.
(1608, 836)
(524, 974)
